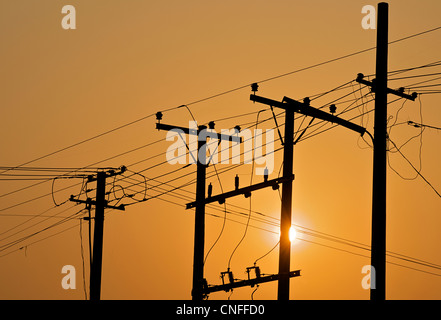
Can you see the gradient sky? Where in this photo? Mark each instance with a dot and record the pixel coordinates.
(129, 59)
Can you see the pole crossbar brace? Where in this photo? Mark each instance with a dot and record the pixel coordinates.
(245, 191)
(92, 178)
(250, 282)
(92, 202)
(304, 108)
(209, 134)
(109, 173)
(399, 92)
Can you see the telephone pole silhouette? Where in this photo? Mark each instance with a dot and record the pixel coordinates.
(290, 106)
(100, 204)
(379, 86)
(378, 245)
(286, 211)
(199, 222)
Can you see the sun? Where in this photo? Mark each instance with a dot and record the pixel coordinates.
(292, 234)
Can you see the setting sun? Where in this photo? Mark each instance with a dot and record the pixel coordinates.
(292, 234)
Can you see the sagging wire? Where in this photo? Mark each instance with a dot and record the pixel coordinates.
(82, 258)
(420, 135)
(249, 213)
(252, 294)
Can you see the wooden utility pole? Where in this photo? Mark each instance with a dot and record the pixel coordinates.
(378, 253)
(285, 216)
(100, 204)
(290, 106)
(199, 225)
(379, 87)
(199, 222)
(95, 272)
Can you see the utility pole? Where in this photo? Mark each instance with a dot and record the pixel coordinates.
(199, 223)
(378, 239)
(290, 106)
(379, 86)
(286, 210)
(285, 216)
(95, 272)
(100, 204)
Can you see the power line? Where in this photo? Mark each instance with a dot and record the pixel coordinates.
(12, 243)
(340, 240)
(341, 86)
(217, 95)
(416, 170)
(419, 125)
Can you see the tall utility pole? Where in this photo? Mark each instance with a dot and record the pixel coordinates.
(290, 106)
(378, 239)
(285, 216)
(199, 223)
(100, 204)
(378, 245)
(95, 271)
(199, 226)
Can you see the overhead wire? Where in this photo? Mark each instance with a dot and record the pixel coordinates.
(220, 94)
(415, 169)
(340, 240)
(269, 118)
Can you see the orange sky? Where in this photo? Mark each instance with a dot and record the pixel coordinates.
(129, 59)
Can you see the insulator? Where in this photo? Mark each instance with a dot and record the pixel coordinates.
(230, 276)
(211, 125)
(254, 87)
(210, 190)
(306, 101)
(236, 182)
(257, 269)
(265, 174)
(332, 108)
(159, 115)
(237, 128)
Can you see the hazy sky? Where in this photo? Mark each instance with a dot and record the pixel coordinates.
(126, 60)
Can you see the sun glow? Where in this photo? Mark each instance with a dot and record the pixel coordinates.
(292, 234)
